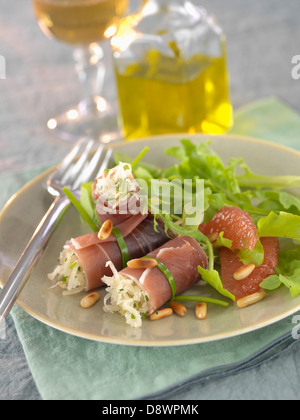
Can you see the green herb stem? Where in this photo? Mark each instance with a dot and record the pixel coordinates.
(200, 299)
(140, 157)
(167, 274)
(122, 245)
(80, 209)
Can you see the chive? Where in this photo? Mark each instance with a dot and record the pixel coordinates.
(140, 157)
(132, 316)
(167, 274)
(72, 265)
(200, 299)
(81, 210)
(64, 278)
(122, 245)
(171, 280)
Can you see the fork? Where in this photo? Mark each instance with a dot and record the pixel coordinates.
(77, 167)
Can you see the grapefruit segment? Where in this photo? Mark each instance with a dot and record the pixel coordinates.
(230, 263)
(237, 226)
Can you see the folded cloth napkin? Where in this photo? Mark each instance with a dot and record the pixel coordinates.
(66, 367)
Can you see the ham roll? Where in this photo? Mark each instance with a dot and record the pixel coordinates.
(83, 259)
(137, 293)
(116, 194)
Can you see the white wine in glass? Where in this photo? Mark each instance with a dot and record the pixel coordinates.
(84, 24)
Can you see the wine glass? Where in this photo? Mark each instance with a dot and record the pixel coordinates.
(85, 25)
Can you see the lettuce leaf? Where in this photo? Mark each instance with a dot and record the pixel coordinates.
(282, 225)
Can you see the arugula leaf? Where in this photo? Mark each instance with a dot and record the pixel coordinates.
(253, 180)
(255, 257)
(288, 272)
(222, 242)
(277, 201)
(200, 160)
(212, 277)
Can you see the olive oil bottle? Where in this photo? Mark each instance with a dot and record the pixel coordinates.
(171, 71)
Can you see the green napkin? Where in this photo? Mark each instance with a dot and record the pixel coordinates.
(66, 367)
(269, 119)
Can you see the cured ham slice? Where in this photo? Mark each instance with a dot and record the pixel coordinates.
(83, 260)
(145, 290)
(125, 228)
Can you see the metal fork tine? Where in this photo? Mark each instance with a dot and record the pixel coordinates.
(105, 162)
(75, 169)
(70, 156)
(90, 167)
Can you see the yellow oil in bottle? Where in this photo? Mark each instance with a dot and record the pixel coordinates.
(162, 95)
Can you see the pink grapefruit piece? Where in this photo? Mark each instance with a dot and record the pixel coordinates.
(237, 226)
(230, 263)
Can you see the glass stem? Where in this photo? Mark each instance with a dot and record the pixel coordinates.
(90, 70)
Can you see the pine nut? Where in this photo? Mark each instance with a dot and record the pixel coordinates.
(90, 300)
(163, 313)
(213, 237)
(105, 230)
(201, 310)
(251, 299)
(142, 263)
(178, 308)
(243, 272)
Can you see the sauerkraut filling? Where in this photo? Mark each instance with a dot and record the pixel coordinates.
(117, 185)
(68, 274)
(125, 297)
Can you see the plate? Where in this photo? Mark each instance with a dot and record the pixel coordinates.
(21, 214)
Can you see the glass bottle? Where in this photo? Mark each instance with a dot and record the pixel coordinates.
(171, 71)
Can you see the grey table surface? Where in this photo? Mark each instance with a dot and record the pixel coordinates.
(263, 36)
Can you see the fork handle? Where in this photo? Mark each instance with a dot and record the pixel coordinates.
(31, 255)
